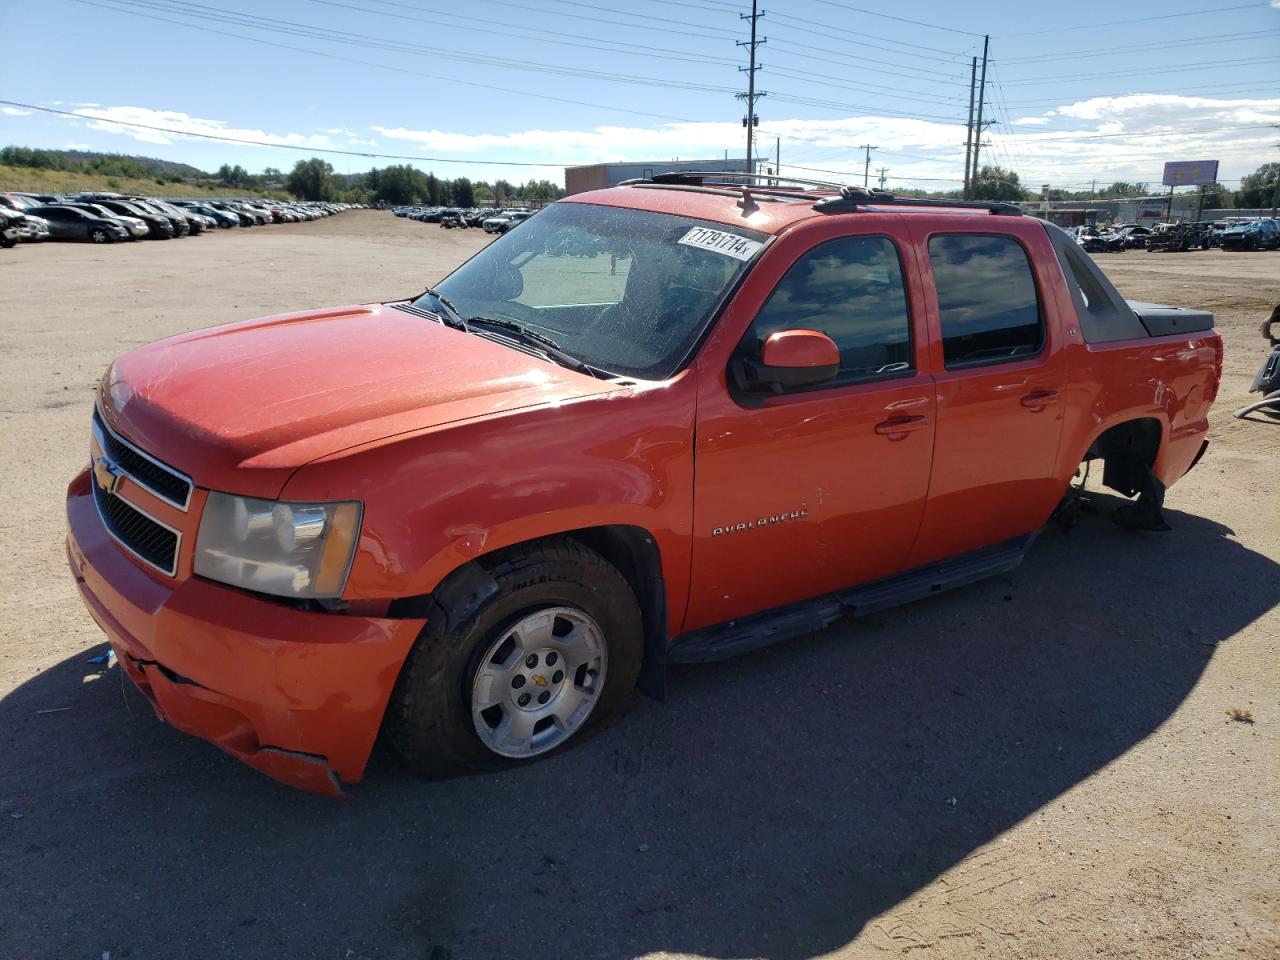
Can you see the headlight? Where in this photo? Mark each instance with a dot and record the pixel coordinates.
(287, 549)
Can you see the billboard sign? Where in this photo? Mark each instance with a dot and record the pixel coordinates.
(1188, 173)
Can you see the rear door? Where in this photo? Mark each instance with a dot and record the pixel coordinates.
(804, 492)
(61, 226)
(1000, 372)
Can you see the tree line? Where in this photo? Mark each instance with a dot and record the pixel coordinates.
(1256, 190)
(315, 179)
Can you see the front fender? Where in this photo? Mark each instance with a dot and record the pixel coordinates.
(436, 500)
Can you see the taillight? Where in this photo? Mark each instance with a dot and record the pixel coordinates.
(1212, 393)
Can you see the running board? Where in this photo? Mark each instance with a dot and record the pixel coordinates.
(763, 629)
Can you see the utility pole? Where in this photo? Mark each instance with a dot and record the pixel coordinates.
(968, 135)
(777, 159)
(982, 97)
(866, 170)
(1275, 192)
(883, 177)
(750, 120)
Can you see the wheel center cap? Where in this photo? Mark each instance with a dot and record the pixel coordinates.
(539, 679)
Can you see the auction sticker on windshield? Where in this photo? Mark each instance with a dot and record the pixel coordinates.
(720, 241)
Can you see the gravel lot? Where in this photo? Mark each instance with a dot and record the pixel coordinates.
(1039, 766)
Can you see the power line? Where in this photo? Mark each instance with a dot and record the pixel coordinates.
(595, 7)
(860, 58)
(445, 78)
(809, 52)
(828, 28)
(280, 146)
(524, 33)
(1144, 72)
(1113, 23)
(878, 89)
(889, 16)
(849, 108)
(292, 28)
(1143, 47)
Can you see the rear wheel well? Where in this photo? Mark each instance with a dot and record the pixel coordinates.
(1128, 451)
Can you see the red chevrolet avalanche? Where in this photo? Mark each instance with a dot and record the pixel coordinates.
(670, 421)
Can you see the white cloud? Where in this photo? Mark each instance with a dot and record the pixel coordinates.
(182, 125)
(15, 112)
(75, 146)
(1061, 145)
(1139, 132)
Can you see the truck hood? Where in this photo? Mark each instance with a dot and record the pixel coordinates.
(240, 407)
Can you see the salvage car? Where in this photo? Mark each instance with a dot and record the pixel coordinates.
(511, 220)
(1101, 242)
(34, 229)
(72, 223)
(135, 225)
(475, 520)
(159, 226)
(221, 218)
(11, 227)
(1255, 235)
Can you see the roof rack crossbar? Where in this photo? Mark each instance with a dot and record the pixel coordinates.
(696, 178)
(851, 198)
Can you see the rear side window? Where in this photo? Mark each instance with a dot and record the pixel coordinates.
(851, 289)
(987, 299)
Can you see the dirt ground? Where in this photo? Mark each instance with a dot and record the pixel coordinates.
(1039, 766)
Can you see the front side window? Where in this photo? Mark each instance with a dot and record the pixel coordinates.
(987, 299)
(626, 291)
(852, 290)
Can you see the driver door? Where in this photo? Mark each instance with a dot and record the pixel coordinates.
(804, 492)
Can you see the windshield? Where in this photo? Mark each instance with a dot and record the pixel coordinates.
(626, 291)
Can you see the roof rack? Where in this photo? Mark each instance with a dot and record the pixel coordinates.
(851, 198)
(848, 200)
(737, 182)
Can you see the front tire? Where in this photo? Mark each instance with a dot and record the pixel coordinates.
(551, 657)
(98, 235)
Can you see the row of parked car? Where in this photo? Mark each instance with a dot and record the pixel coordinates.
(112, 217)
(1230, 233)
(490, 219)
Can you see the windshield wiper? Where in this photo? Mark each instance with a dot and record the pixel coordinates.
(539, 341)
(450, 314)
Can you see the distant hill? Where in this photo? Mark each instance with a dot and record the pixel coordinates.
(92, 162)
(153, 164)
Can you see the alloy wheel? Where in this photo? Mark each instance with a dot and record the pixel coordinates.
(538, 681)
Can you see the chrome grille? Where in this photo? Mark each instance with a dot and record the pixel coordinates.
(162, 480)
(145, 537)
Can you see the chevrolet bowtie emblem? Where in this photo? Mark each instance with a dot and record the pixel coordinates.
(106, 474)
(539, 679)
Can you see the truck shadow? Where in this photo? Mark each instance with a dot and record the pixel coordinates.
(773, 808)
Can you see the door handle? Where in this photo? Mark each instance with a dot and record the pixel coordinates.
(897, 428)
(1037, 401)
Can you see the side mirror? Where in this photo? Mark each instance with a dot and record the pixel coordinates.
(791, 359)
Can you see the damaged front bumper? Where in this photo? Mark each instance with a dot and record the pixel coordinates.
(298, 695)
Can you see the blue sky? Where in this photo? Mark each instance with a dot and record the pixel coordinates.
(1075, 96)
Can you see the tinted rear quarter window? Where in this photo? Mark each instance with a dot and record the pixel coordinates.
(987, 300)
